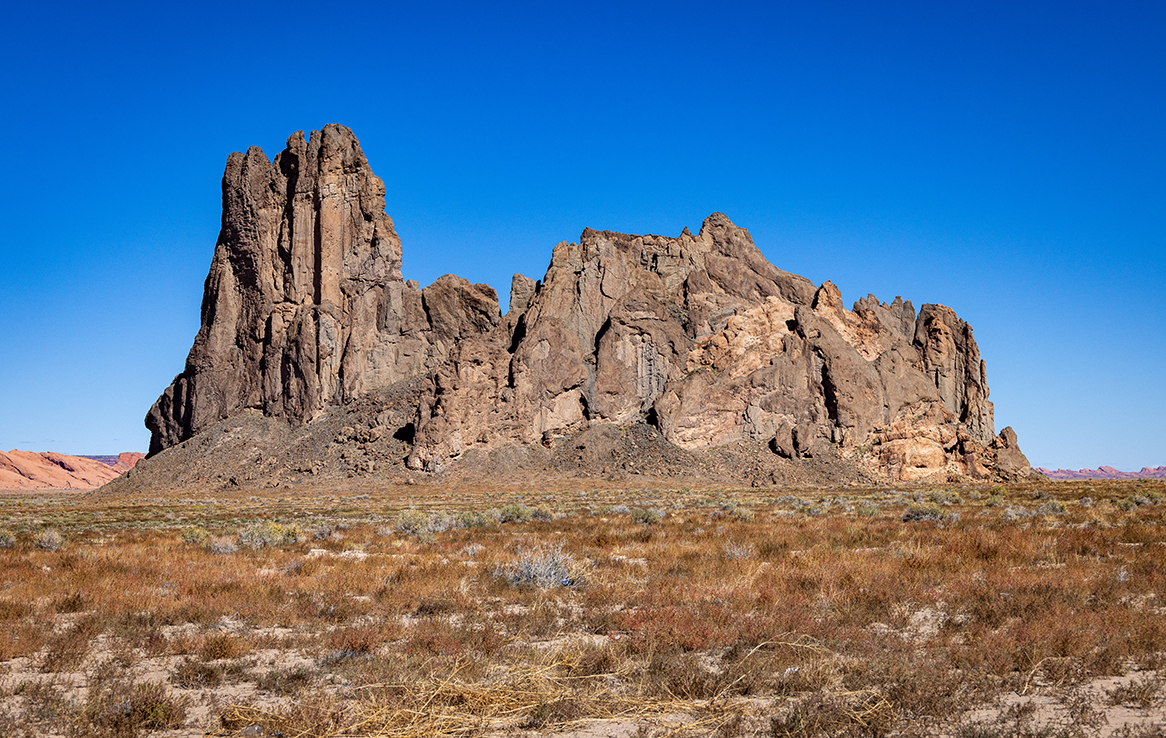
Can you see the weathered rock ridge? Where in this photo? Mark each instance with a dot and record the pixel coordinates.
(710, 342)
(698, 335)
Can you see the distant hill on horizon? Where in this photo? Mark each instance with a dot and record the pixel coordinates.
(1103, 472)
(29, 470)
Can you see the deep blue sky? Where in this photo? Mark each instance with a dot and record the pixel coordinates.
(1004, 159)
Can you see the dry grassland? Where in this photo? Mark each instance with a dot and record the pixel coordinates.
(964, 611)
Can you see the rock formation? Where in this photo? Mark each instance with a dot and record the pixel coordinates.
(699, 336)
(703, 337)
(304, 306)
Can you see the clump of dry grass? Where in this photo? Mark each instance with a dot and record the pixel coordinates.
(542, 567)
(49, 540)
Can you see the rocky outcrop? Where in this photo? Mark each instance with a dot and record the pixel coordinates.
(704, 338)
(304, 306)
(28, 470)
(697, 336)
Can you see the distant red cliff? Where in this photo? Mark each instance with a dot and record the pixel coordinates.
(1104, 472)
(28, 470)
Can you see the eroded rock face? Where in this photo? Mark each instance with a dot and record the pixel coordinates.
(703, 337)
(304, 305)
(698, 335)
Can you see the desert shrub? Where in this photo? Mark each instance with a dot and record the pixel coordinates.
(1085, 502)
(7, 540)
(922, 512)
(867, 510)
(66, 649)
(1052, 507)
(285, 681)
(615, 510)
(194, 535)
(1144, 692)
(49, 540)
(269, 534)
(825, 714)
(516, 513)
(418, 523)
(543, 513)
(126, 709)
(194, 674)
(358, 640)
(645, 517)
(1015, 512)
(542, 567)
(994, 501)
(739, 512)
(475, 519)
(943, 497)
(323, 532)
(218, 646)
(222, 546)
(410, 522)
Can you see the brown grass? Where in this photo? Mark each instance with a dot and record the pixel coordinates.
(746, 611)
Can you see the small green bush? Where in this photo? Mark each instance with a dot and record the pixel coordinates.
(195, 536)
(269, 534)
(922, 512)
(944, 497)
(516, 514)
(645, 517)
(475, 519)
(1052, 507)
(744, 514)
(7, 539)
(867, 510)
(410, 522)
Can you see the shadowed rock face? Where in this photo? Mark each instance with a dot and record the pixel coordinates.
(304, 305)
(305, 309)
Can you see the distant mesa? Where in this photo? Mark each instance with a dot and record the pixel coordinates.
(1103, 472)
(27, 470)
(315, 358)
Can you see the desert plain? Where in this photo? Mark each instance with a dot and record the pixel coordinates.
(586, 608)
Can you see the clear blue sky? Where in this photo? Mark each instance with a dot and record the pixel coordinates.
(1005, 159)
